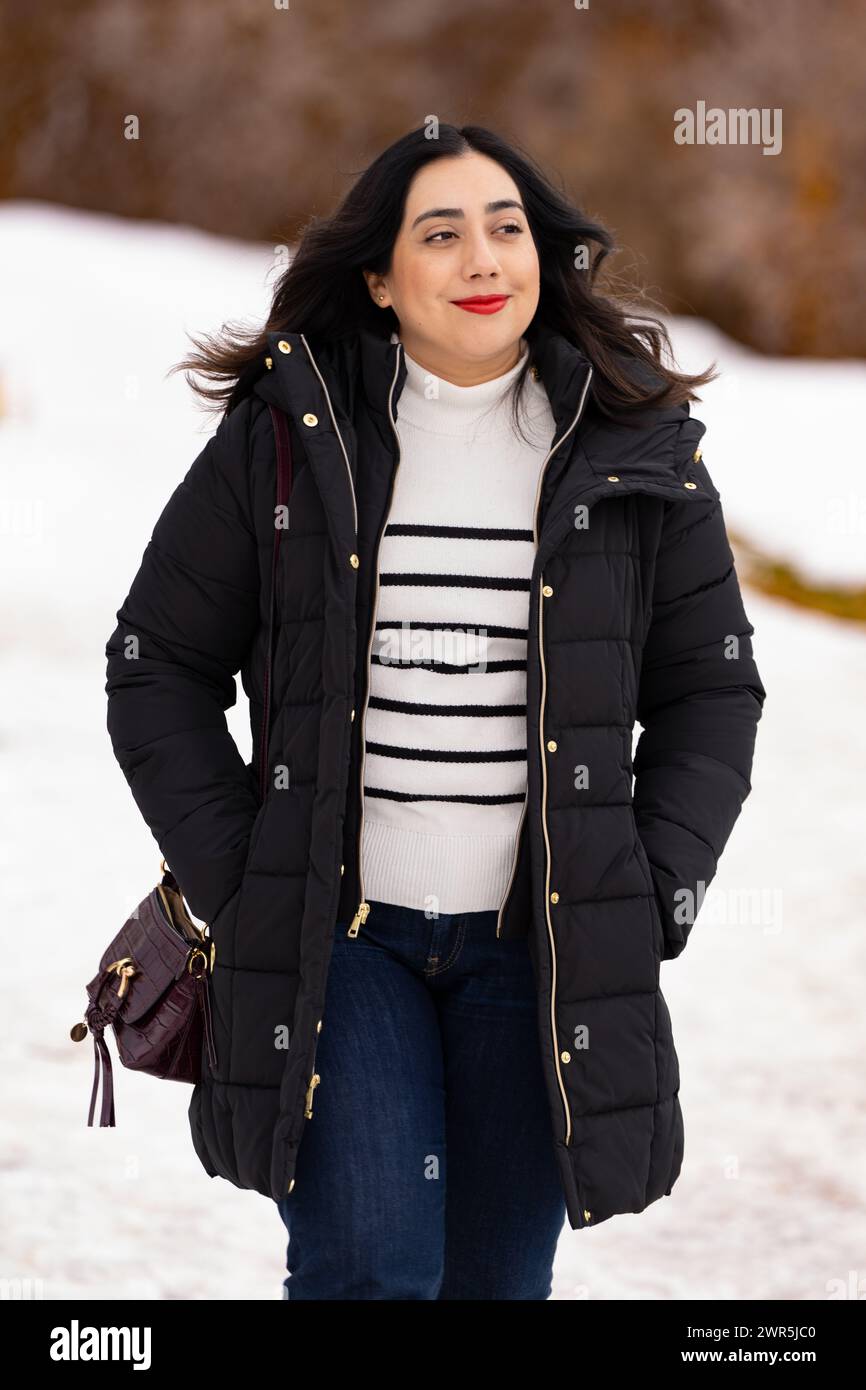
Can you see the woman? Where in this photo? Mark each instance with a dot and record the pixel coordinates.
(438, 936)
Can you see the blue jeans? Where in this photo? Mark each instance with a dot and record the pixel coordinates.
(427, 1169)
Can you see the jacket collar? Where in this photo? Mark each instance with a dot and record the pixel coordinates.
(367, 359)
(599, 457)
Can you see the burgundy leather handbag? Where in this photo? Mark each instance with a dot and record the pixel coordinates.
(152, 983)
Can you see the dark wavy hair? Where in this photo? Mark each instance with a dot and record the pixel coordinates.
(323, 294)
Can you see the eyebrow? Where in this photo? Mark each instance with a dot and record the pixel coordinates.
(458, 212)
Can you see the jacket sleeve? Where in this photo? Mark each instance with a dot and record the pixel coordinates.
(699, 701)
(182, 633)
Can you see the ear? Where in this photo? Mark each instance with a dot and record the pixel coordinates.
(375, 284)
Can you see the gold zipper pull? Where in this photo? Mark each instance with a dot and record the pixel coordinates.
(360, 916)
(308, 1106)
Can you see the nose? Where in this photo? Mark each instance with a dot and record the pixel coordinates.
(478, 255)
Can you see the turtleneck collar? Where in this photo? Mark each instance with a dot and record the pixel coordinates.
(432, 403)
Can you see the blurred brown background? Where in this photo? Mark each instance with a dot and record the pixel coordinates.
(246, 110)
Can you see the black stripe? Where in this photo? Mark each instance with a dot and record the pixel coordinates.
(474, 800)
(441, 755)
(451, 581)
(408, 707)
(475, 533)
(441, 668)
(491, 629)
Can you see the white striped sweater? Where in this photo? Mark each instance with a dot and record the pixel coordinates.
(445, 725)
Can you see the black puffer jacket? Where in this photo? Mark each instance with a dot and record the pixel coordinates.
(634, 613)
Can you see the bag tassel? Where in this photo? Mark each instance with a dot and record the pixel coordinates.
(98, 1018)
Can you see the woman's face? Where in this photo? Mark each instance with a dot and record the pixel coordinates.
(456, 243)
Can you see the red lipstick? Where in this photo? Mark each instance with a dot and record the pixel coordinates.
(482, 303)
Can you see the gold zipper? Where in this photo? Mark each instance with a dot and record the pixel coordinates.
(364, 907)
(547, 873)
(550, 937)
(334, 423)
(541, 474)
(360, 916)
(308, 1099)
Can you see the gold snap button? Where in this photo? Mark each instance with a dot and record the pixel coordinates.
(310, 419)
(353, 714)
(547, 591)
(319, 1026)
(354, 561)
(551, 745)
(565, 1056)
(587, 1215)
(612, 478)
(291, 1184)
(690, 485)
(269, 362)
(342, 868)
(554, 897)
(284, 346)
(697, 454)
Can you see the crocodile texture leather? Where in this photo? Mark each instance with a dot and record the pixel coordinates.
(160, 1011)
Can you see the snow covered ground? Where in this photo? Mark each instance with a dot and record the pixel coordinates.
(766, 1001)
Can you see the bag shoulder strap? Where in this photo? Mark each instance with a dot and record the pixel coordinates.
(284, 487)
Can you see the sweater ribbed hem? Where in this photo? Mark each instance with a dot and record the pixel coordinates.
(449, 873)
